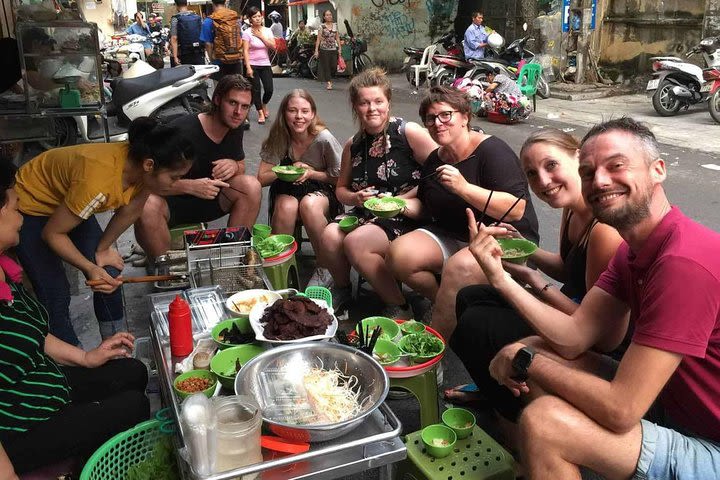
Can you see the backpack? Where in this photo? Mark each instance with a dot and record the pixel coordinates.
(227, 46)
(188, 32)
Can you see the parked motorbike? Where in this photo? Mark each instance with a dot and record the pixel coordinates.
(512, 58)
(300, 55)
(162, 94)
(160, 40)
(677, 84)
(413, 55)
(712, 78)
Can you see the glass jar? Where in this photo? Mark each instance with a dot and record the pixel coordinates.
(238, 433)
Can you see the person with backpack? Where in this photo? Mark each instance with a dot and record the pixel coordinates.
(222, 34)
(185, 44)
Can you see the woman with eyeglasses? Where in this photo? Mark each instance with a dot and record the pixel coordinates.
(469, 170)
(383, 158)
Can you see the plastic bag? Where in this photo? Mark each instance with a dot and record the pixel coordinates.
(341, 65)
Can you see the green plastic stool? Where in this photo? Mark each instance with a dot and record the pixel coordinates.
(284, 275)
(424, 387)
(177, 240)
(477, 457)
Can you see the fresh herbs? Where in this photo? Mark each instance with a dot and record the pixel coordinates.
(270, 247)
(422, 345)
(160, 465)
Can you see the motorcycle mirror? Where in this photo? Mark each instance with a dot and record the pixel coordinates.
(525, 26)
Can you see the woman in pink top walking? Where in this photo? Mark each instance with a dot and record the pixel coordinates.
(257, 40)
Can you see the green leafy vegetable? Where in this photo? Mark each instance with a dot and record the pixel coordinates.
(160, 465)
(270, 247)
(422, 344)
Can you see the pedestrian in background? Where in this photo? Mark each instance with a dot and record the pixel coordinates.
(256, 42)
(221, 32)
(141, 28)
(327, 49)
(185, 44)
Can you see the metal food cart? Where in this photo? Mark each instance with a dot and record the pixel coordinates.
(375, 444)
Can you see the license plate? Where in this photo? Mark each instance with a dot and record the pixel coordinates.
(653, 84)
(706, 87)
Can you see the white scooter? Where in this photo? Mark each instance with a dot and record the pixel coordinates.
(142, 91)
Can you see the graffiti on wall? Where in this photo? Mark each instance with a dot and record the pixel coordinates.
(376, 23)
(440, 16)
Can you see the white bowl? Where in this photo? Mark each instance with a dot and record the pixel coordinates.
(248, 294)
(259, 328)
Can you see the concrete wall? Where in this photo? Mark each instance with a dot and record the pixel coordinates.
(100, 13)
(635, 30)
(711, 25)
(390, 25)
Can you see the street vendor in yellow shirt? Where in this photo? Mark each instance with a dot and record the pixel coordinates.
(62, 189)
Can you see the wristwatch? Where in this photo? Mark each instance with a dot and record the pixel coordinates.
(521, 364)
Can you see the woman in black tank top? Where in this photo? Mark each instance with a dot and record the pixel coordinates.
(486, 322)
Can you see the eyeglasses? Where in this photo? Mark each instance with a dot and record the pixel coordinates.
(444, 117)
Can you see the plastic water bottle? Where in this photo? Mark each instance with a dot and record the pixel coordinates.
(179, 319)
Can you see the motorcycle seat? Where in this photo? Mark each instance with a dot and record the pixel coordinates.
(126, 89)
(496, 60)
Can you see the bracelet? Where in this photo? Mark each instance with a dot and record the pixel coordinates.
(546, 287)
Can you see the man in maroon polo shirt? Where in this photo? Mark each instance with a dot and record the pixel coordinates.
(665, 282)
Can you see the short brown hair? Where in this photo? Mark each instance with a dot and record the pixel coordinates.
(453, 97)
(554, 137)
(631, 126)
(372, 77)
(227, 83)
(477, 14)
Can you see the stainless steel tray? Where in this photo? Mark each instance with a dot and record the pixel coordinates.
(372, 444)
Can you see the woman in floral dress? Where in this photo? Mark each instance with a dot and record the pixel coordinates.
(384, 157)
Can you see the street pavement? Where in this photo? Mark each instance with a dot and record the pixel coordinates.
(690, 147)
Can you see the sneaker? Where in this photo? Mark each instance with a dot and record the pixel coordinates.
(397, 312)
(341, 297)
(321, 278)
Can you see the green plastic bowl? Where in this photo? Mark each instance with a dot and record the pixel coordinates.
(242, 323)
(224, 360)
(208, 392)
(520, 245)
(432, 435)
(397, 203)
(348, 224)
(460, 420)
(288, 173)
(284, 239)
(411, 326)
(405, 341)
(386, 352)
(270, 247)
(391, 330)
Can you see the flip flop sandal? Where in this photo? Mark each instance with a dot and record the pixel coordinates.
(468, 395)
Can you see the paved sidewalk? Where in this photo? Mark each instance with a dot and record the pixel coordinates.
(692, 129)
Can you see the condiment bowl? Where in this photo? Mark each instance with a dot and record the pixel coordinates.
(224, 362)
(243, 324)
(432, 437)
(208, 392)
(386, 352)
(460, 420)
(348, 224)
(411, 326)
(390, 329)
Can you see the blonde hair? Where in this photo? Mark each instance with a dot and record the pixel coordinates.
(555, 137)
(372, 77)
(278, 140)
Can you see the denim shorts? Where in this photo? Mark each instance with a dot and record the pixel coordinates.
(666, 454)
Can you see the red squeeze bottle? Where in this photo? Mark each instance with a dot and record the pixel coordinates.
(180, 324)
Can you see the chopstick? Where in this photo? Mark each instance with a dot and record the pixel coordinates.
(143, 279)
(509, 210)
(429, 175)
(487, 204)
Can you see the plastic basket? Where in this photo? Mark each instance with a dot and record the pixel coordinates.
(113, 459)
(319, 293)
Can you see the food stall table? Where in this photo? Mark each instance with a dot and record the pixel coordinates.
(374, 444)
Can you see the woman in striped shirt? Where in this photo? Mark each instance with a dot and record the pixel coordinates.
(56, 400)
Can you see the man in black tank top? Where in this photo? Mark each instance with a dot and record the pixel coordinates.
(216, 184)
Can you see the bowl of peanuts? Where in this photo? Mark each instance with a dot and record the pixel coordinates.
(195, 381)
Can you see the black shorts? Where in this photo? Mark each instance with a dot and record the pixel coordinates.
(186, 209)
(192, 58)
(228, 69)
